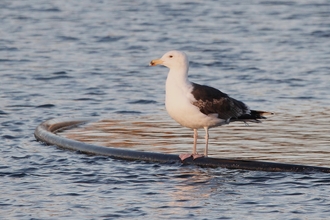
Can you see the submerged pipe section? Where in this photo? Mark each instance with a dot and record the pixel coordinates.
(46, 132)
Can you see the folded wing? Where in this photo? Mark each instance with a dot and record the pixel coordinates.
(212, 101)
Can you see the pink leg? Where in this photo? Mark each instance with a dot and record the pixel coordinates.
(195, 141)
(206, 141)
(185, 156)
(195, 155)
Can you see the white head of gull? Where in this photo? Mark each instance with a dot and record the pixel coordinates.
(198, 106)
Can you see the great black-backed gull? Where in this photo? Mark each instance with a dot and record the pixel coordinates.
(198, 106)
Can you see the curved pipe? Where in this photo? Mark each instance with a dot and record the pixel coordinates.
(46, 132)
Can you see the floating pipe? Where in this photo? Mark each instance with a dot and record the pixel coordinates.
(46, 132)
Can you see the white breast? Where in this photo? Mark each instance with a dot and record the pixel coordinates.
(179, 106)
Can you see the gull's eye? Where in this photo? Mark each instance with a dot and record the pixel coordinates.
(170, 56)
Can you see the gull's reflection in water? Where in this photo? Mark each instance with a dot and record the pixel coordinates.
(191, 186)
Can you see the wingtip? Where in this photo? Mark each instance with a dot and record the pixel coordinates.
(266, 113)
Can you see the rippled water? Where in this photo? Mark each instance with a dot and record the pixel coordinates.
(89, 58)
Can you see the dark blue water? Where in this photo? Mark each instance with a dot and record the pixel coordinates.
(89, 58)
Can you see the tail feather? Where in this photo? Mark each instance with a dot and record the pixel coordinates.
(253, 116)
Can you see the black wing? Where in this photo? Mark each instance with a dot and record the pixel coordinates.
(212, 101)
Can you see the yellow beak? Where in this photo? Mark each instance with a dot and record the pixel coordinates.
(155, 62)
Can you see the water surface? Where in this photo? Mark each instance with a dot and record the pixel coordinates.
(89, 59)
